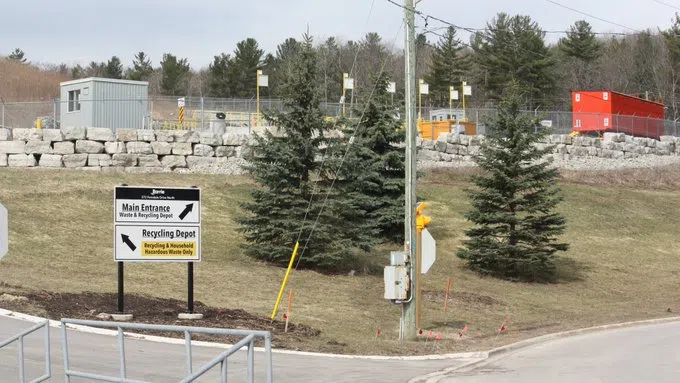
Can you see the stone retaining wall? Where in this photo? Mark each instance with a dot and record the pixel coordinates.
(125, 150)
(452, 147)
(206, 152)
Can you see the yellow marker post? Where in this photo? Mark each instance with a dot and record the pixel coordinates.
(285, 280)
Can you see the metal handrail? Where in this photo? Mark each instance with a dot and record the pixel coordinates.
(248, 340)
(20, 357)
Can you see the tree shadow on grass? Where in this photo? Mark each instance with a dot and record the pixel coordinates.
(569, 270)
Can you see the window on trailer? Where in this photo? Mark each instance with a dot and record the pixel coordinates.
(73, 100)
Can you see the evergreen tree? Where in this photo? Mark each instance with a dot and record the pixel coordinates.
(113, 68)
(370, 184)
(331, 67)
(141, 68)
(448, 67)
(513, 204)
(512, 49)
(96, 69)
(284, 166)
(243, 68)
(175, 75)
(77, 72)
(218, 72)
(672, 40)
(278, 67)
(581, 42)
(17, 55)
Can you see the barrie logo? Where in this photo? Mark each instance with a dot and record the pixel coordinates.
(156, 192)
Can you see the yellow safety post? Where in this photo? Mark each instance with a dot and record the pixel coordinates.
(285, 280)
(421, 222)
(38, 123)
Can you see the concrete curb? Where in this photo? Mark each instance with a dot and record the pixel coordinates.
(159, 339)
(434, 377)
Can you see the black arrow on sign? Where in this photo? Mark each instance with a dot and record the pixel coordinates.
(126, 240)
(186, 211)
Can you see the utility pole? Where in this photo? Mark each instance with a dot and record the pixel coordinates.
(408, 329)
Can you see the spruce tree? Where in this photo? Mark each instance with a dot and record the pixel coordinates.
(219, 80)
(370, 184)
(515, 225)
(513, 50)
(141, 68)
(581, 42)
(175, 75)
(448, 67)
(285, 166)
(243, 68)
(113, 68)
(17, 55)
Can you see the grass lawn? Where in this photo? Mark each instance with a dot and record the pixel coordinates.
(622, 265)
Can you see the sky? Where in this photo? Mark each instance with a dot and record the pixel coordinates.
(77, 32)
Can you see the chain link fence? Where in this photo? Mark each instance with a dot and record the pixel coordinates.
(203, 112)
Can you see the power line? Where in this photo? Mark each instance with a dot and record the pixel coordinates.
(666, 4)
(592, 16)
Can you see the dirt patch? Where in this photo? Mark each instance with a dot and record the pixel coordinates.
(462, 297)
(153, 310)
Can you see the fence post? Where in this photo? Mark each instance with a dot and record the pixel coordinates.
(202, 114)
(251, 361)
(54, 113)
(3, 115)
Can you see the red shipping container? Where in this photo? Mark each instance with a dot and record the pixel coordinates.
(607, 111)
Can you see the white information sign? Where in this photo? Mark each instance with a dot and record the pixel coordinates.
(264, 80)
(392, 87)
(180, 102)
(453, 94)
(157, 224)
(429, 251)
(349, 83)
(424, 88)
(467, 90)
(4, 232)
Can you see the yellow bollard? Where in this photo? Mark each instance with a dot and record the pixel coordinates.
(38, 123)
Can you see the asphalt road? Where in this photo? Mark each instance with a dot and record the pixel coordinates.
(649, 353)
(160, 362)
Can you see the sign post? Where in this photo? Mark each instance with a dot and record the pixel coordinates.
(4, 231)
(157, 224)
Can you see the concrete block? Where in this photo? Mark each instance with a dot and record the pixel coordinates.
(200, 162)
(165, 136)
(427, 144)
(174, 161)
(451, 149)
(52, 135)
(225, 151)
(100, 134)
(50, 161)
(66, 147)
(209, 138)
(99, 160)
(428, 155)
(614, 137)
(5, 134)
(190, 316)
(440, 146)
(137, 147)
(146, 135)
(126, 135)
(662, 138)
(113, 169)
(38, 147)
(149, 160)
(182, 148)
(234, 139)
(186, 136)
(3, 159)
(27, 134)
(12, 147)
(161, 148)
(74, 160)
(89, 168)
(149, 169)
(453, 139)
(114, 147)
(90, 147)
(202, 150)
(124, 159)
(73, 133)
(464, 140)
(21, 160)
